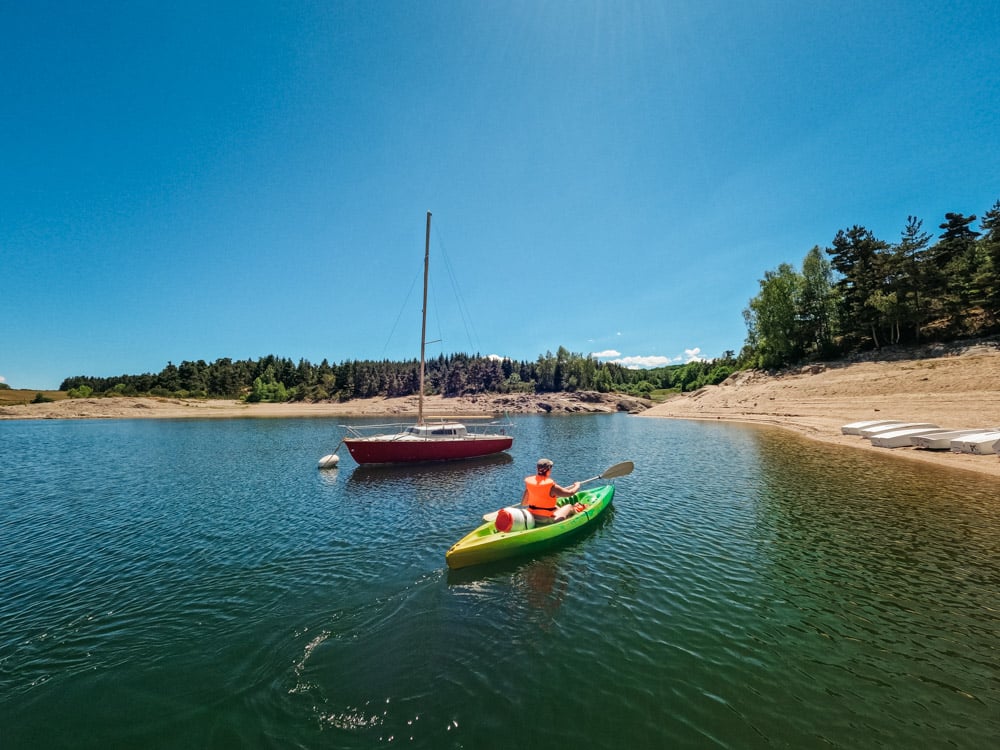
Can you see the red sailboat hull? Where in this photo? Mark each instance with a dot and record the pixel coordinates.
(395, 451)
(421, 442)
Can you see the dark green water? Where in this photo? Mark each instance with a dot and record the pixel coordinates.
(199, 584)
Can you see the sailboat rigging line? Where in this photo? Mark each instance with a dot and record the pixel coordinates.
(402, 309)
(447, 441)
(463, 308)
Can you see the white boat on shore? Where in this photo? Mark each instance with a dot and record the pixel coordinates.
(854, 428)
(980, 443)
(902, 438)
(870, 432)
(941, 441)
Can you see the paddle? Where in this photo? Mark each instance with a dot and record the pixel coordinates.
(612, 472)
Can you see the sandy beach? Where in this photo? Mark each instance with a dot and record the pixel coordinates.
(957, 387)
(393, 409)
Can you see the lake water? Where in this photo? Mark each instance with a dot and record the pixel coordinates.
(182, 584)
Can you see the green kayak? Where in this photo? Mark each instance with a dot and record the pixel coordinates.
(486, 543)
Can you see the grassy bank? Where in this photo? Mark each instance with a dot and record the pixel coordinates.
(16, 396)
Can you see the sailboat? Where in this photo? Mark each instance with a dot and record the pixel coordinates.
(426, 441)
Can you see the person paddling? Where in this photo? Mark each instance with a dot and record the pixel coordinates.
(541, 493)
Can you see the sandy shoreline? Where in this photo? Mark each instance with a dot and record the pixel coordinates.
(392, 409)
(956, 390)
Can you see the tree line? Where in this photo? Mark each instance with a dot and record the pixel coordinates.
(871, 293)
(278, 379)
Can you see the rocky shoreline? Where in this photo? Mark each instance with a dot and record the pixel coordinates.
(580, 402)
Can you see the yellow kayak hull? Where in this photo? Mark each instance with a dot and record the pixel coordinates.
(486, 544)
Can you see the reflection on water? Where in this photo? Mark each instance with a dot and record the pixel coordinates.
(543, 584)
(182, 584)
(866, 577)
(448, 475)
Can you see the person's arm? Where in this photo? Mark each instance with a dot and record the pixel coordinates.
(558, 491)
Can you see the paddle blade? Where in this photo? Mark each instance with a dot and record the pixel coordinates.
(618, 470)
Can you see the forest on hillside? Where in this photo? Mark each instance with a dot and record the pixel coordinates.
(860, 293)
(870, 293)
(279, 379)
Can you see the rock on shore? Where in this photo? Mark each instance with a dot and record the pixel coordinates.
(582, 402)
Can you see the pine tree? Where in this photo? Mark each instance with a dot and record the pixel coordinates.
(856, 256)
(954, 262)
(910, 265)
(990, 243)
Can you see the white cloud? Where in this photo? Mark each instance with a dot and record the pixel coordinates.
(645, 362)
(496, 357)
(3, 379)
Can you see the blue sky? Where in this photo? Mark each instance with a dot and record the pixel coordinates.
(203, 180)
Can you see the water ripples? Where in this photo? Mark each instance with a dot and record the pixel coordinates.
(202, 583)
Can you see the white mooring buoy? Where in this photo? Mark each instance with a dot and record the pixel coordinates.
(329, 462)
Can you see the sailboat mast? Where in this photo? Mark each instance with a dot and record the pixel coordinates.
(423, 323)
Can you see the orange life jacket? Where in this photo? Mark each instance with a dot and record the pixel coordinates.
(540, 502)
